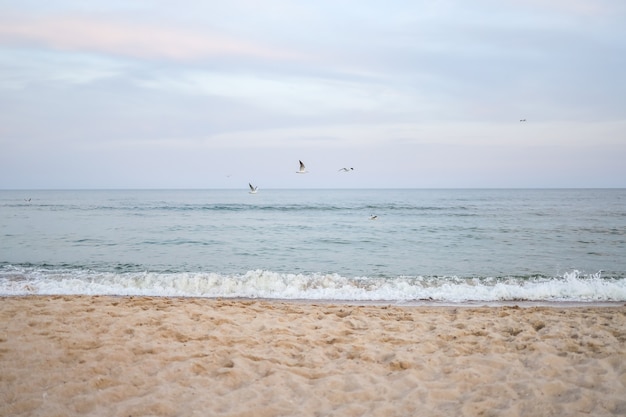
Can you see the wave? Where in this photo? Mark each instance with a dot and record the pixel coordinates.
(571, 286)
(228, 207)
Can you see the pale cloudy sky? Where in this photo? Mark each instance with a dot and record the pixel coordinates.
(208, 94)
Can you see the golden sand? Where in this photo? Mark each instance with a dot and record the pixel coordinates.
(142, 356)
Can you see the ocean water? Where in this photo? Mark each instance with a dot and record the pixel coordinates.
(441, 245)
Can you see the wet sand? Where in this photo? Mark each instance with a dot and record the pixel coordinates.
(143, 356)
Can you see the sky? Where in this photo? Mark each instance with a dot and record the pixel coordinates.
(411, 94)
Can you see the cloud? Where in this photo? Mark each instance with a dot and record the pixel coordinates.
(583, 8)
(289, 94)
(402, 86)
(20, 68)
(84, 33)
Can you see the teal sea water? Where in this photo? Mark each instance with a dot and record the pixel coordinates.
(443, 245)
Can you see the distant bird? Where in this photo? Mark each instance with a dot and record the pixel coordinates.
(345, 170)
(373, 217)
(27, 200)
(522, 120)
(302, 169)
(253, 189)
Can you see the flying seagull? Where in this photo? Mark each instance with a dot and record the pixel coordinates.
(253, 189)
(522, 120)
(302, 169)
(345, 170)
(373, 217)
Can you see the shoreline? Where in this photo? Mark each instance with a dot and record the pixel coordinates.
(339, 302)
(98, 355)
(433, 303)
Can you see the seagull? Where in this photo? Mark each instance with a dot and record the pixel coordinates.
(345, 170)
(302, 169)
(253, 189)
(373, 217)
(522, 120)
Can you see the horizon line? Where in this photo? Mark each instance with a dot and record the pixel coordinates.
(294, 188)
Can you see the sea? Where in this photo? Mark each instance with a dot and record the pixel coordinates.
(362, 245)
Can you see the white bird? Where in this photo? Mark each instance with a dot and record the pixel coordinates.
(373, 217)
(302, 169)
(345, 170)
(253, 189)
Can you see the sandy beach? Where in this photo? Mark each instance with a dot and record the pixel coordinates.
(143, 356)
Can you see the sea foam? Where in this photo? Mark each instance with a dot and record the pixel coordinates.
(572, 286)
